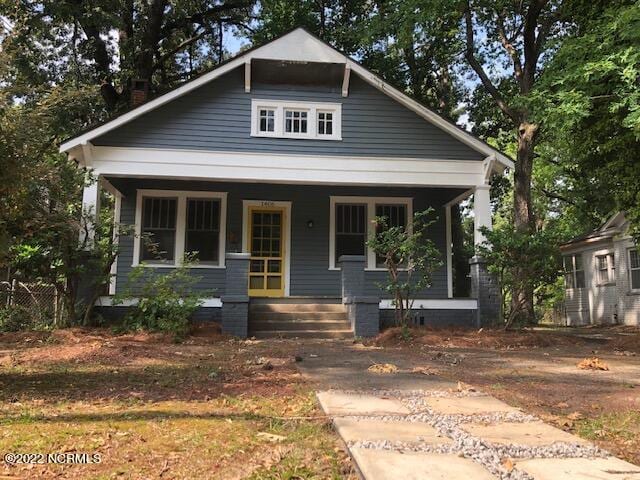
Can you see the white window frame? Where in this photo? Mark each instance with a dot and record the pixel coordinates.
(181, 223)
(574, 271)
(611, 272)
(266, 133)
(371, 203)
(631, 270)
(312, 109)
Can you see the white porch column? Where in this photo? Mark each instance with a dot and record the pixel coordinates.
(117, 207)
(90, 209)
(482, 212)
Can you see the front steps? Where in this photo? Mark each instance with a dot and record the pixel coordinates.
(298, 318)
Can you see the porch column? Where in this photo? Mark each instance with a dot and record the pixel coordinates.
(235, 301)
(484, 286)
(90, 210)
(482, 213)
(363, 310)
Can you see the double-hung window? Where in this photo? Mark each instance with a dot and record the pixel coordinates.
(394, 215)
(573, 271)
(605, 268)
(634, 269)
(295, 119)
(173, 224)
(158, 229)
(351, 229)
(352, 222)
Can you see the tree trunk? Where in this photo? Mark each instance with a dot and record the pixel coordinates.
(522, 299)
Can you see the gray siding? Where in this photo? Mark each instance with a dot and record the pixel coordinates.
(217, 117)
(310, 275)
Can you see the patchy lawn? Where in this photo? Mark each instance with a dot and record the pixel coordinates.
(537, 370)
(209, 407)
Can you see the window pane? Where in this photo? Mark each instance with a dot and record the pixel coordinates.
(580, 283)
(267, 120)
(634, 259)
(578, 259)
(158, 228)
(568, 281)
(203, 229)
(635, 279)
(567, 263)
(396, 216)
(351, 230)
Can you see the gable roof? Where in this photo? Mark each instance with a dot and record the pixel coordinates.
(613, 226)
(302, 46)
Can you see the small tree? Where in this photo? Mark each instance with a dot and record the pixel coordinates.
(520, 260)
(410, 258)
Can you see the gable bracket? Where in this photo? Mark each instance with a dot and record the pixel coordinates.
(247, 76)
(345, 80)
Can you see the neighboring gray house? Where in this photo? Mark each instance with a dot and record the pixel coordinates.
(272, 166)
(602, 276)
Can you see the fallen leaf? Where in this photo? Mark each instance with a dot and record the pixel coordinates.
(593, 363)
(383, 368)
(271, 437)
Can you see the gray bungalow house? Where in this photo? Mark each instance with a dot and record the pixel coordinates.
(602, 276)
(271, 167)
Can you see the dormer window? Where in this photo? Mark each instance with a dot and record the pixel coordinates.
(301, 120)
(267, 120)
(295, 121)
(325, 123)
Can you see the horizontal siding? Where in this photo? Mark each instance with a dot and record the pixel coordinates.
(217, 117)
(310, 274)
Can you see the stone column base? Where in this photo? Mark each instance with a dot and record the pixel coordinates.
(364, 315)
(485, 288)
(235, 315)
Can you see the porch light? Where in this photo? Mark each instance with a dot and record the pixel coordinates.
(309, 223)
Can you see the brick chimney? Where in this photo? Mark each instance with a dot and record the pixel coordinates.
(139, 92)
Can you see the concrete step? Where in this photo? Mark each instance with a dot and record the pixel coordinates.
(270, 325)
(296, 300)
(295, 307)
(292, 316)
(342, 333)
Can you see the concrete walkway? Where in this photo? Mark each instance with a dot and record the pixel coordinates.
(408, 426)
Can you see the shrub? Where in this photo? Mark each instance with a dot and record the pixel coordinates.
(166, 301)
(15, 318)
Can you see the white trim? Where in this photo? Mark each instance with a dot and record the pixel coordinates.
(611, 271)
(117, 208)
(297, 45)
(181, 196)
(107, 301)
(312, 108)
(449, 250)
(631, 269)
(287, 227)
(286, 168)
(371, 203)
(437, 304)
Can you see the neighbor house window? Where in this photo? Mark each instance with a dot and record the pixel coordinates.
(351, 230)
(634, 269)
(158, 229)
(173, 224)
(352, 223)
(605, 266)
(395, 216)
(267, 120)
(325, 123)
(300, 120)
(573, 271)
(295, 121)
(203, 229)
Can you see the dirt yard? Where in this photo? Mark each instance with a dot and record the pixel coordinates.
(538, 371)
(213, 407)
(205, 408)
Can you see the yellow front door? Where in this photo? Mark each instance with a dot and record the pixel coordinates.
(266, 244)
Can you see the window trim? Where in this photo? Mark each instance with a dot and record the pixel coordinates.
(574, 271)
(631, 270)
(370, 202)
(181, 223)
(312, 109)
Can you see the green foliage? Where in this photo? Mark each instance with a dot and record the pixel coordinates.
(522, 262)
(15, 318)
(410, 258)
(166, 301)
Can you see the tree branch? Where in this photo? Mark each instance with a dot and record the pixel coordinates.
(475, 64)
(531, 45)
(507, 43)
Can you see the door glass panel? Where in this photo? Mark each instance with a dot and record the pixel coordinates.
(257, 266)
(266, 266)
(273, 266)
(256, 283)
(273, 283)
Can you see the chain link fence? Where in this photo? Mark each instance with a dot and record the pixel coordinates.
(40, 301)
